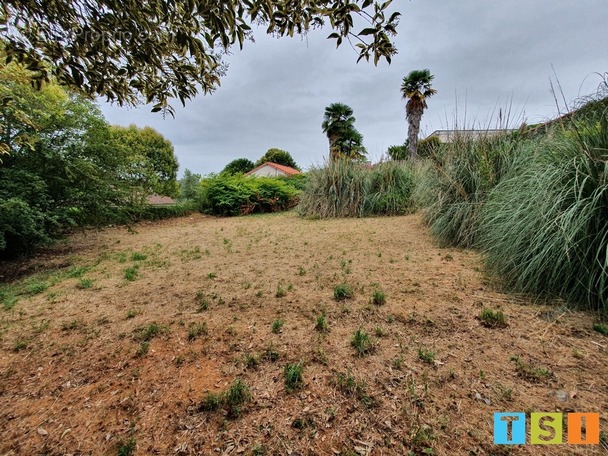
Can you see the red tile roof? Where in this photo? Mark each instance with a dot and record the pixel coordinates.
(285, 169)
(159, 200)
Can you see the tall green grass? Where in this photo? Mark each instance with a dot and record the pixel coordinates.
(545, 226)
(348, 189)
(456, 183)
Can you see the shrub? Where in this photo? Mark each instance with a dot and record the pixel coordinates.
(345, 188)
(238, 195)
(455, 188)
(545, 226)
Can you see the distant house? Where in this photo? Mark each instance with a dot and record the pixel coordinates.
(159, 200)
(448, 136)
(270, 169)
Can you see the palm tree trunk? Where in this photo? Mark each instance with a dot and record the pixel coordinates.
(412, 133)
(333, 153)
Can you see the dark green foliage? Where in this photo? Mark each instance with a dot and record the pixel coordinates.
(238, 166)
(122, 53)
(238, 195)
(362, 343)
(278, 156)
(601, 328)
(493, 319)
(65, 167)
(545, 226)
(347, 189)
(345, 142)
(430, 147)
(126, 448)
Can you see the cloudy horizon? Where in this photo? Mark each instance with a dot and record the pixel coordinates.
(491, 60)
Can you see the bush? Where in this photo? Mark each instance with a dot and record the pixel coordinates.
(455, 187)
(545, 226)
(348, 189)
(238, 195)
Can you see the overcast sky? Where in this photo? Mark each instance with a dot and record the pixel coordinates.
(487, 56)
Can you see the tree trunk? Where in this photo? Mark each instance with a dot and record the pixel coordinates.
(412, 134)
(333, 153)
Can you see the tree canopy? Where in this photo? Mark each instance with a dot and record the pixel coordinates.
(416, 88)
(278, 156)
(239, 165)
(131, 51)
(344, 139)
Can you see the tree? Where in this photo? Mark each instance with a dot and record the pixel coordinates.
(338, 119)
(131, 51)
(350, 145)
(239, 165)
(345, 141)
(416, 88)
(151, 165)
(397, 152)
(188, 185)
(278, 156)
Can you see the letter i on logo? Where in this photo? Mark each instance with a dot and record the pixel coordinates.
(509, 428)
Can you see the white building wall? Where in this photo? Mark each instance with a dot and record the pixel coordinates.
(267, 171)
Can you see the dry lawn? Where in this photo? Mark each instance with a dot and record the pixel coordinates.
(110, 347)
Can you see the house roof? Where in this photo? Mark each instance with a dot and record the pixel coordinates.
(285, 169)
(159, 200)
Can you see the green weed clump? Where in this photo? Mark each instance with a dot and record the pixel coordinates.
(545, 226)
(343, 291)
(232, 400)
(293, 376)
(362, 343)
(493, 319)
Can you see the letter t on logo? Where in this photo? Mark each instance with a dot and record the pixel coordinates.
(509, 428)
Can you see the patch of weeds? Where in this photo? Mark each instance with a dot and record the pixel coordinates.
(321, 324)
(132, 313)
(281, 292)
(235, 397)
(35, 287)
(302, 423)
(180, 360)
(259, 294)
(601, 328)
(122, 257)
(251, 361)
(390, 319)
(8, 300)
(84, 284)
(196, 330)
(193, 254)
(42, 326)
(132, 273)
(342, 291)
(504, 393)
(212, 275)
(277, 326)
(426, 355)
(293, 376)
(362, 342)
(349, 386)
(259, 450)
(422, 439)
(136, 256)
(20, 344)
(378, 298)
(301, 271)
(492, 319)
(71, 325)
(210, 403)
(379, 332)
(126, 448)
(270, 354)
(76, 272)
(531, 371)
(201, 301)
(398, 362)
(142, 350)
(147, 333)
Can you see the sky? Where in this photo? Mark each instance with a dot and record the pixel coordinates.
(491, 60)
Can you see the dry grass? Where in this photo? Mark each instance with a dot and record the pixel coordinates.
(82, 387)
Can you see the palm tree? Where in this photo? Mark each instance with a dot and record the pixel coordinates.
(416, 88)
(350, 145)
(337, 120)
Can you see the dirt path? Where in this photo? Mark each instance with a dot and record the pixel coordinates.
(116, 350)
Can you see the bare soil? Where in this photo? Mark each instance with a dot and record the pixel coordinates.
(79, 374)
